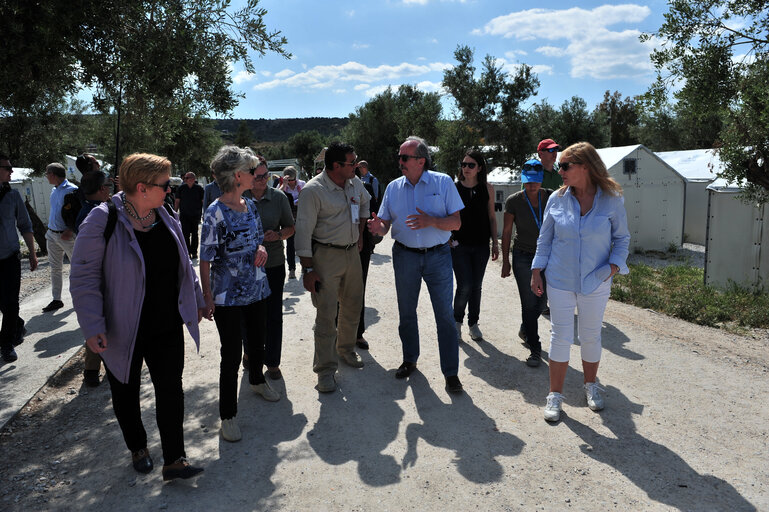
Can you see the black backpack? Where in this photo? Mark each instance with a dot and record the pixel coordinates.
(109, 228)
(73, 202)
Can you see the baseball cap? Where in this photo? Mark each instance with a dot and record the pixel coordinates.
(532, 172)
(546, 144)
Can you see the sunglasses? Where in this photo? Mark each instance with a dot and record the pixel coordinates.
(553, 150)
(405, 158)
(535, 167)
(261, 177)
(564, 166)
(164, 186)
(471, 165)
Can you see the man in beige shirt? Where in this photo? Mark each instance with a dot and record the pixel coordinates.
(331, 214)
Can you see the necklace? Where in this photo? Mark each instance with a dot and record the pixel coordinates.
(135, 212)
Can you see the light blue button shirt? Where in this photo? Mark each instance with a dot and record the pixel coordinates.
(55, 221)
(576, 251)
(434, 194)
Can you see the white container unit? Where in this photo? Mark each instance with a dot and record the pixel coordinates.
(698, 168)
(654, 196)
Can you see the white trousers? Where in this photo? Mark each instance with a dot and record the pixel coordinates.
(57, 248)
(590, 309)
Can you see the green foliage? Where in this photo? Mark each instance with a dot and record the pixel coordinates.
(490, 106)
(378, 128)
(305, 146)
(280, 130)
(720, 49)
(621, 117)
(680, 291)
(243, 137)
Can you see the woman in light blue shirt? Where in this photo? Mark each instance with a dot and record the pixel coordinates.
(583, 242)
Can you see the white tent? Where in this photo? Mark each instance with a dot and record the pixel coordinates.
(736, 232)
(654, 196)
(37, 190)
(697, 167)
(506, 182)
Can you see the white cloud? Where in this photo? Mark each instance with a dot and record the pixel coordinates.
(319, 77)
(379, 89)
(593, 49)
(340, 91)
(350, 13)
(513, 54)
(360, 46)
(265, 73)
(542, 69)
(361, 87)
(242, 77)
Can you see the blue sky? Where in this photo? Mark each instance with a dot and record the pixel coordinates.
(345, 52)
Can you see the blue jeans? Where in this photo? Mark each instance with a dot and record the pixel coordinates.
(469, 262)
(435, 268)
(531, 305)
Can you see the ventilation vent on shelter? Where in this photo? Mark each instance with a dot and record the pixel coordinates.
(629, 166)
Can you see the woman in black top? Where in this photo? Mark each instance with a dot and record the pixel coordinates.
(470, 243)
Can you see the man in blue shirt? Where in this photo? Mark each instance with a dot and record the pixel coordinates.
(422, 207)
(60, 240)
(367, 178)
(13, 215)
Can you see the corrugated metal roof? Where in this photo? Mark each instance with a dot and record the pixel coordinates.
(693, 164)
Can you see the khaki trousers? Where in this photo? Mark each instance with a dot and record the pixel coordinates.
(341, 281)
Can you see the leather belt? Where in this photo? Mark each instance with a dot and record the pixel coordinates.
(335, 246)
(54, 231)
(420, 250)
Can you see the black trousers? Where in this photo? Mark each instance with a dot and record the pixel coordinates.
(190, 232)
(10, 283)
(365, 260)
(228, 322)
(163, 351)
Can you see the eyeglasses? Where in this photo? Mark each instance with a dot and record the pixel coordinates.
(261, 177)
(534, 167)
(405, 158)
(564, 166)
(471, 165)
(164, 186)
(552, 150)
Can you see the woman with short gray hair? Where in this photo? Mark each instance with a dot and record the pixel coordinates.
(233, 279)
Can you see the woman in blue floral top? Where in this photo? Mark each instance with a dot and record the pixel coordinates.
(233, 279)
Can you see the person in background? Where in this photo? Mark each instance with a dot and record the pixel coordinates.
(367, 249)
(583, 242)
(96, 189)
(292, 186)
(329, 225)
(210, 193)
(368, 179)
(60, 240)
(13, 216)
(133, 293)
(278, 224)
(423, 208)
(189, 204)
(470, 243)
(525, 211)
(547, 150)
(234, 281)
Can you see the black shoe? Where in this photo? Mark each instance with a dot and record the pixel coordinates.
(180, 469)
(453, 385)
(91, 378)
(9, 355)
(142, 461)
(546, 313)
(534, 360)
(53, 306)
(522, 335)
(361, 343)
(21, 331)
(405, 370)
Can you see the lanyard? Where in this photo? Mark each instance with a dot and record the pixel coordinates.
(538, 220)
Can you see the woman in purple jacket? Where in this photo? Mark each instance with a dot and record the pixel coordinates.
(133, 288)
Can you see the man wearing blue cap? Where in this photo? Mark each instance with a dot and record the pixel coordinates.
(525, 210)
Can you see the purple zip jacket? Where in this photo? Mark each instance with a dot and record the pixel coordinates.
(108, 288)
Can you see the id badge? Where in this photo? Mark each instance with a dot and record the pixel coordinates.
(355, 212)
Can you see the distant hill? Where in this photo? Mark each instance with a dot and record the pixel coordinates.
(280, 130)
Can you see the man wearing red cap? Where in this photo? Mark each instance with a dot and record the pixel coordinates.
(548, 151)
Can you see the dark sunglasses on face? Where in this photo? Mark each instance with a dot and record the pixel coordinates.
(164, 186)
(261, 177)
(471, 165)
(552, 150)
(564, 166)
(405, 158)
(535, 167)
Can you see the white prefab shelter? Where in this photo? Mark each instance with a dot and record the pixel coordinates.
(698, 168)
(506, 183)
(736, 231)
(36, 190)
(654, 196)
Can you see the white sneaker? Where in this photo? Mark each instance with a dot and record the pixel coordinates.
(231, 430)
(553, 407)
(475, 333)
(266, 392)
(459, 330)
(593, 395)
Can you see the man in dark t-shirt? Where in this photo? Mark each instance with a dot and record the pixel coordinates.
(189, 204)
